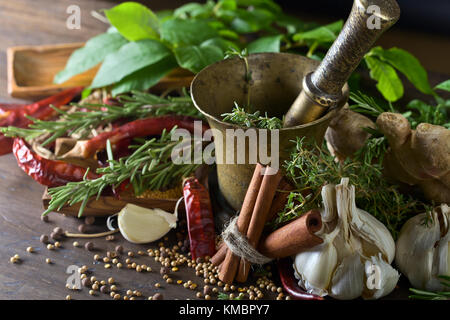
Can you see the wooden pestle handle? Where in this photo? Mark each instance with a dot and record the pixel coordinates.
(356, 38)
(322, 89)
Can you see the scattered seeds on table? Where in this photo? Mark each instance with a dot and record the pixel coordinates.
(44, 238)
(119, 249)
(45, 218)
(68, 297)
(48, 261)
(114, 287)
(86, 282)
(111, 280)
(82, 228)
(58, 244)
(30, 249)
(97, 257)
(130, 253)
(110, 237)
(119, 265)
(157, 285)
(158, 296)
(55, 236)
(89, 246)
(91, 292)
(50, 246)
(107, 266)
(76, 244)
(116, 296)
(89, 220)
(58, 230)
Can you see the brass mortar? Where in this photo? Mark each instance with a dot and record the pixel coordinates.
(276, 81)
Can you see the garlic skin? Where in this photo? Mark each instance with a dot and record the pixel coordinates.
(142, 225)
(355, 243)
(423, 251)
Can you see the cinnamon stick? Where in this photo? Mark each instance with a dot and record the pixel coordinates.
(280, 199)
(294, 237)
(230, 264)
(219, 255)
(259, 217)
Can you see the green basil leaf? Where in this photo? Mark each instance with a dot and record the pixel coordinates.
(293, 24)
(228, 4)
(262, 4)
(134, 21)
(223, 44)
(230, 34)
(186, 32)
(389, 84)
(194, 10)
(248, 21)
(195, 58)
(323, 34)
(130, 58)
(145, 78)
(265, 44)
(444, 85)
(87, 57)
(407, 64)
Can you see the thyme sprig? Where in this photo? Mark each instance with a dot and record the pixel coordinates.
(312, 167)
(242, 118)
(148, 167)
(80, 122)
(428, 295)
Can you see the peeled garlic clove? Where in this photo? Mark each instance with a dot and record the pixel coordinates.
(381, 278)
(348, 279)
(314, 267)
(142, 225)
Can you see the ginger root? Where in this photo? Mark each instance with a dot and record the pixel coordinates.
(417, 157)
(346, 133)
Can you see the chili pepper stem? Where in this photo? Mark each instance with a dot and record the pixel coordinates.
(92, 235)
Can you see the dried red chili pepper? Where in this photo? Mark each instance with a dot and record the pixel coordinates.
(200, 219)
(50, 173)
(138, 128)
(289, 283)
(15, 114)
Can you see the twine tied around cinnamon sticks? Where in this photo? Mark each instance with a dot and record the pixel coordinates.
(242, 246)
(239, 245)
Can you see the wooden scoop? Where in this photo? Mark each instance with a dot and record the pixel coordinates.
(322, 89)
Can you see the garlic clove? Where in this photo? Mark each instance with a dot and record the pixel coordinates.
(329, 211)
(314, 268)
(348, 279)
(381, 278)
(142, 225)
(416, 250)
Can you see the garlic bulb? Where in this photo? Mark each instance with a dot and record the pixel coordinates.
(357, 249)
(423, 250)
(142, 225)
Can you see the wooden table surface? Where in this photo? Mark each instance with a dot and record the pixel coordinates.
(27, 22)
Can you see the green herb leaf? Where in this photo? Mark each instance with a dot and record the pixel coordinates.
(145, 78)
(195, 58)
(262, 4)
(323, 34)
(407, 64)
(194, 10)
(186, 32)
(131, 57)
(389, 84)
(134, 21)
(265, 44)
(444, 86)
(87, 57)
(248, 21)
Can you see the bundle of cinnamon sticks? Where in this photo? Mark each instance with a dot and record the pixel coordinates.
(260, 205)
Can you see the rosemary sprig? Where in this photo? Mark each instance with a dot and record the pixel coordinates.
(148, 167)
(134, 106)
(428, 295)
(251, 120)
